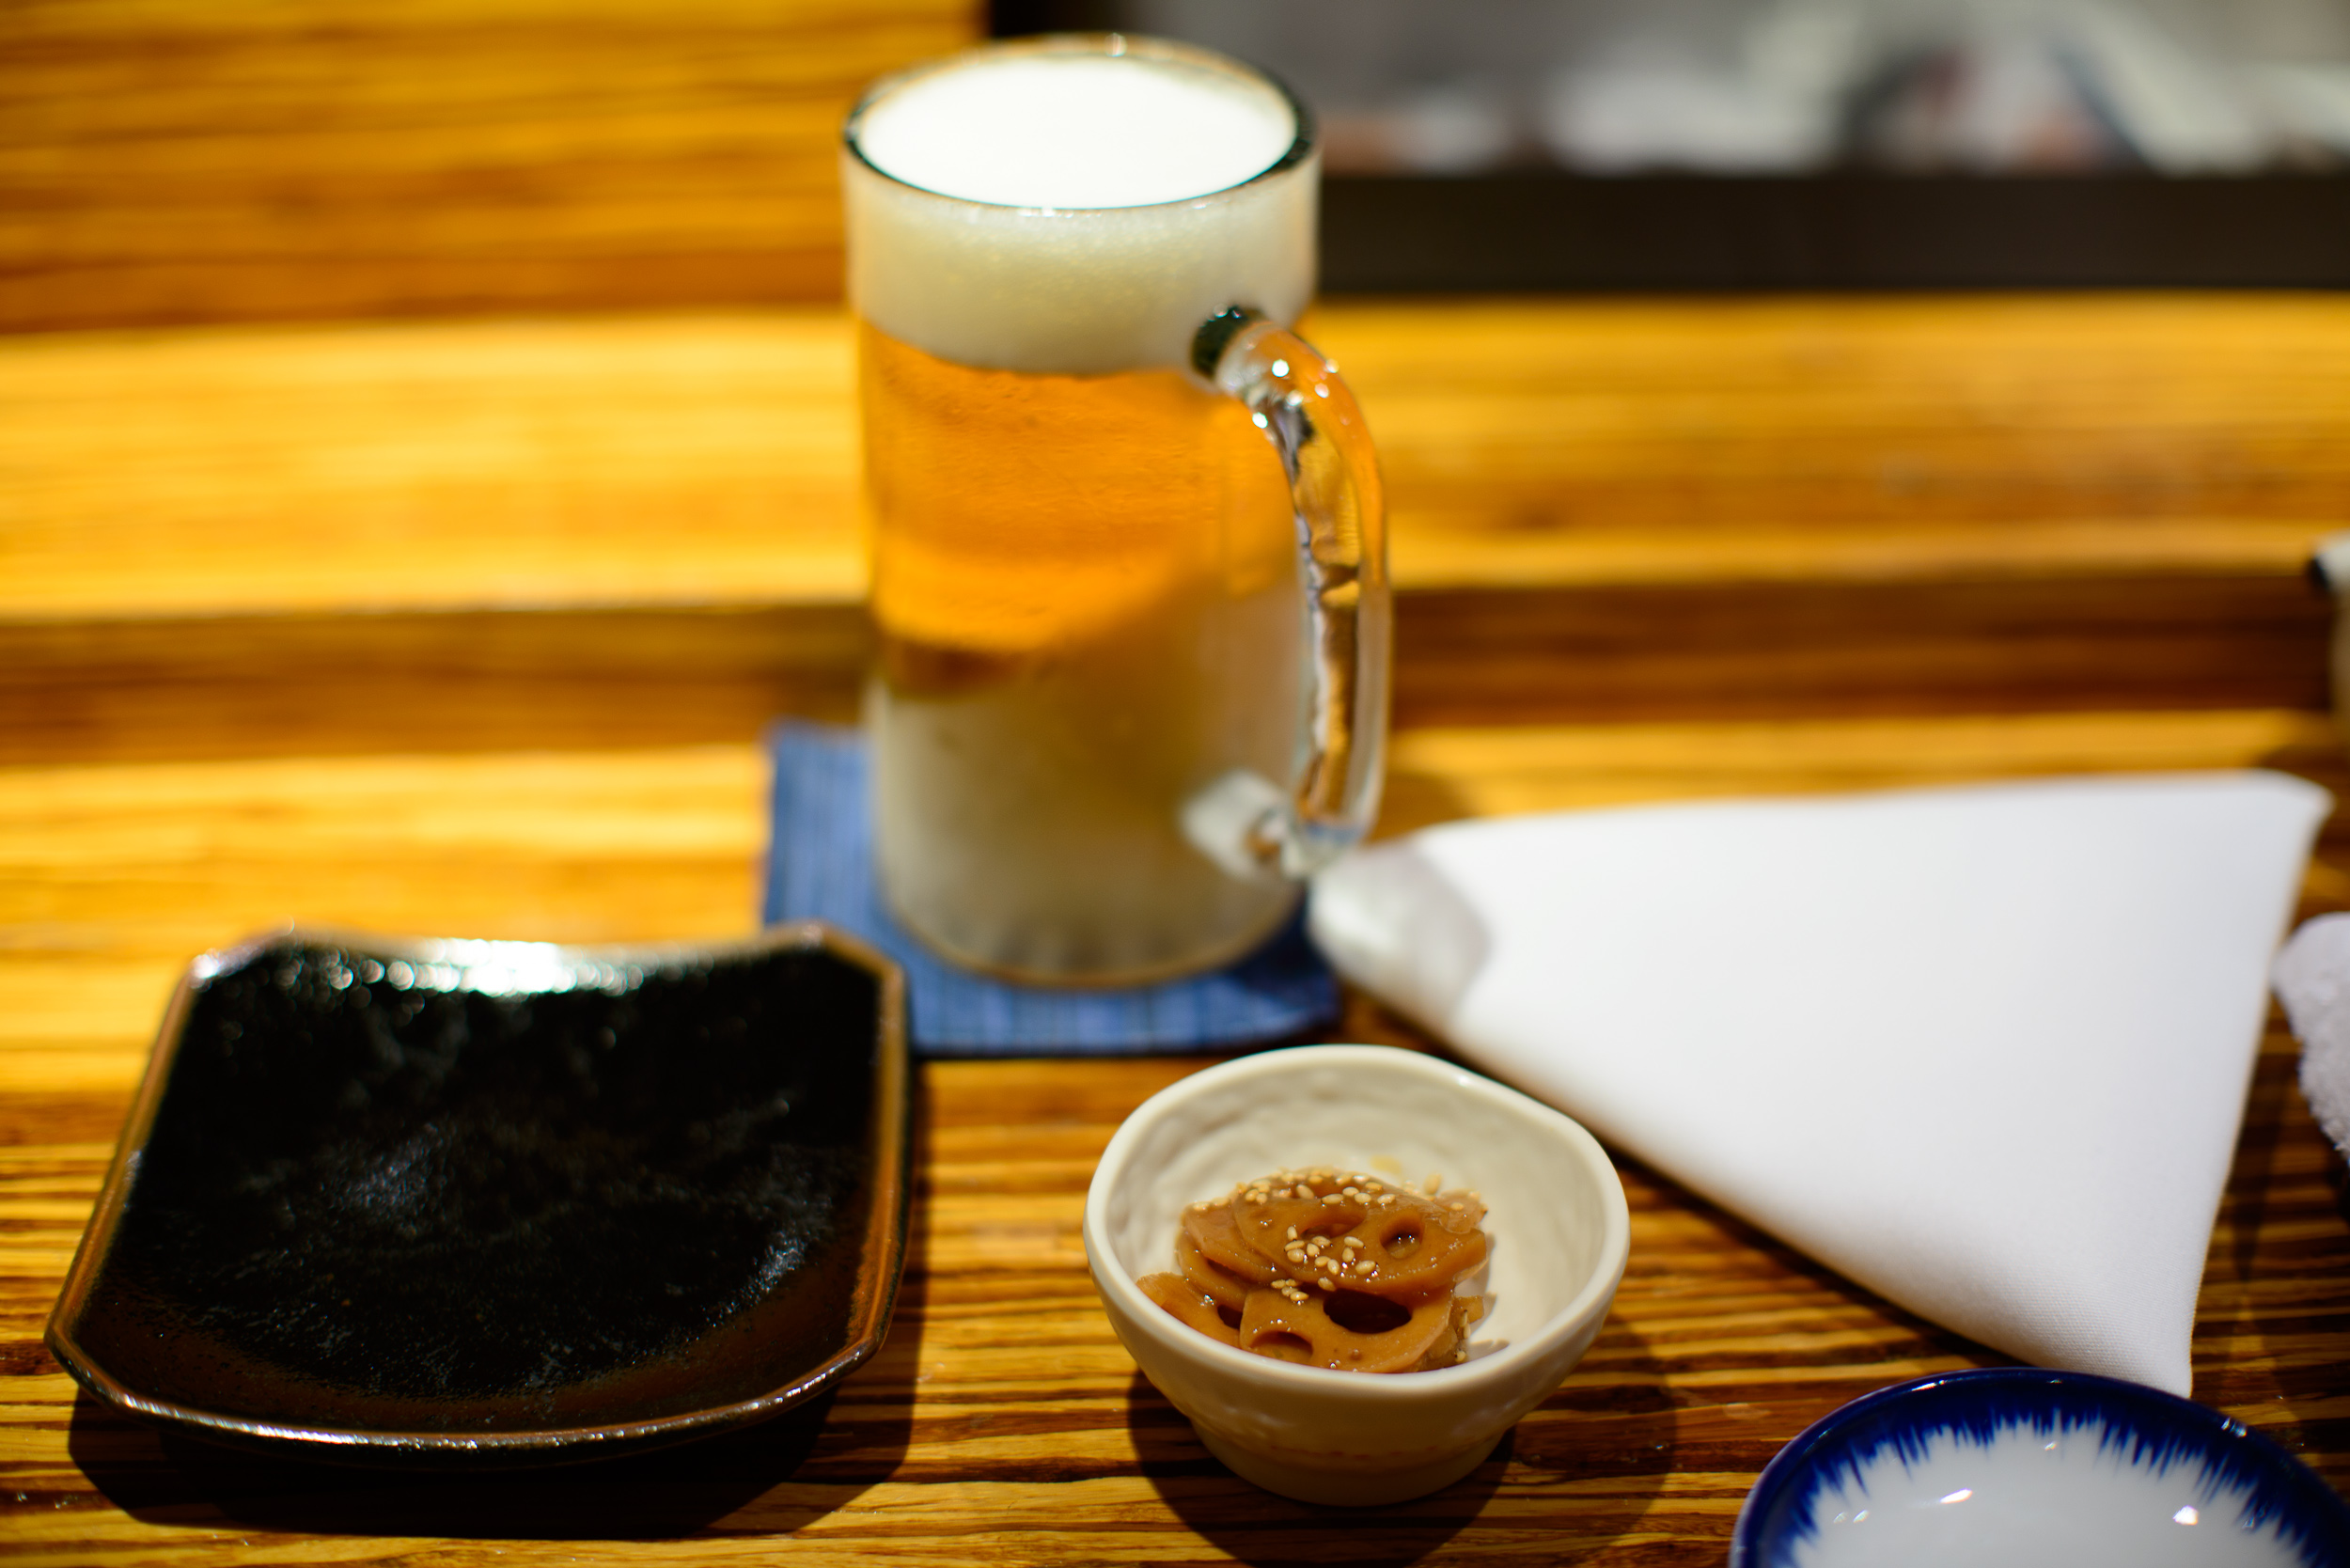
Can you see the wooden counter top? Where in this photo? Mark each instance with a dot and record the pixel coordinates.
(469, 628)
(528, 464)
(644, 528)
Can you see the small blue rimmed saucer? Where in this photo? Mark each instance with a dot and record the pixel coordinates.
(2018, 1466)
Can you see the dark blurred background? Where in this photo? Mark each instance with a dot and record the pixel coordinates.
(1804, 143)
(174, 162)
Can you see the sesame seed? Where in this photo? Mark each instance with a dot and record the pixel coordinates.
(1323, 1283)
(1363, 1267)
(1435, 1181)
(1456, 1208)
(1352, 1192)
(1293, 1232)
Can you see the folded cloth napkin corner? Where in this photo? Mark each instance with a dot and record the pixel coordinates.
(1983, 1050)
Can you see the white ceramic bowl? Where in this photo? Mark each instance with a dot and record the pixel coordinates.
(1555, 1214)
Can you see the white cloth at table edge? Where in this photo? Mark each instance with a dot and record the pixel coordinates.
(2312, 980)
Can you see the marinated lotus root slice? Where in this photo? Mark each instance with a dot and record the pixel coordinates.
(1344, 1330)
(1222, 1286)
(1450, 1347)
(1464, 1210)
(1415, 1250)
(1194, 1308)
(1405, 1246)
(1293, 1211)
(1211, 1229)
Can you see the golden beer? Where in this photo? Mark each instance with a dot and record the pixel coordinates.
(1085, 561)
(1086, 592)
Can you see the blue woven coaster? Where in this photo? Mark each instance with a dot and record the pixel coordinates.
(820, 867)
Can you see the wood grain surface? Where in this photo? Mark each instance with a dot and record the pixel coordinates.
(1002, 1423)
(165, 160)
(308, 537)
(468, 628)
(1565, 444)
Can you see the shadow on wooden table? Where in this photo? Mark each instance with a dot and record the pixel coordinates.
(823, 1449)
(1583, 1470)
(828, 1452)
(683, 1490)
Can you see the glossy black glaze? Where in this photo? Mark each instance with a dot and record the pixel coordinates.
(376, 1201)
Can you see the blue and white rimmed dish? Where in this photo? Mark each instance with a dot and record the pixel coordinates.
(2018, 1466)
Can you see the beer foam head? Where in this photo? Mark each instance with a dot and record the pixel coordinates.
(1078, 130)
(1075, 205)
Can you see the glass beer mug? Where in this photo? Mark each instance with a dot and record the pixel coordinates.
(1126, 530)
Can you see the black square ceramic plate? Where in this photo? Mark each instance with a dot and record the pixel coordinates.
(457, 1202)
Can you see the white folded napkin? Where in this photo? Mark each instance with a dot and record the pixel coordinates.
(1983, 1050)
(2312, 980)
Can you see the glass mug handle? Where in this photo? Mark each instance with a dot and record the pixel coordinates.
(1244, 821)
